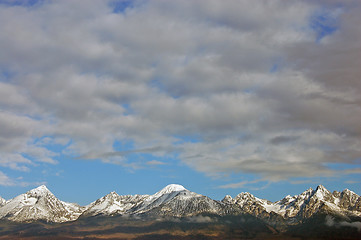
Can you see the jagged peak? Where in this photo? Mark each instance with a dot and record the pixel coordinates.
(346, 190)
(112, 194)
(40, 191)
(321, 188)
(2, 201)
(42, 187)
(227, 199)
(228, 196)
(349, 194)
(245, 195)
(321, 192)
(308, 192)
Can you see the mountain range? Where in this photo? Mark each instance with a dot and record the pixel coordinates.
(176, 201)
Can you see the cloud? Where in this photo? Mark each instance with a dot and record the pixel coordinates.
(243, 184)
(5, 180)
(330, 221)
(238, 87)
(153, 150)
(155, 163)
(283, 139)
(351, 182)
(8, 181)
(352, 224)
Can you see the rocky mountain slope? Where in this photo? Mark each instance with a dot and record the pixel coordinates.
(176, 201)
(296, 208)
(113, 204)
(173, 201)
(39, 204)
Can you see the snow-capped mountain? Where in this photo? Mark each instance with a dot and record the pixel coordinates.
(112, 204)
(163, 196)
(349, 200)
(39, 204)
(312, 201)
(173, 200)
(304, 205)
(250, 204)
(176, 201)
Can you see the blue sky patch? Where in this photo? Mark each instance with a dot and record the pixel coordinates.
(121, 6)
(324, 23)
(24, 3)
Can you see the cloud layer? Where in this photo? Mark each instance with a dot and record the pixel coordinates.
(260, 87)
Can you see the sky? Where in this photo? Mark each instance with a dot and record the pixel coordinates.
(222, 97)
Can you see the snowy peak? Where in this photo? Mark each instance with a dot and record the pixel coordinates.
(106, 205)
(112, 204)
(39, 204)
(349, 200)
(251, 204)
(176, 201)
(320, 200)
(321, 188)
(163, 196)
(227, 199)
(171, 188)
(349, 194)
(112, 195)
(306, 194)
(2, 201)
(322, 193)
(40, 191)
(244, 196)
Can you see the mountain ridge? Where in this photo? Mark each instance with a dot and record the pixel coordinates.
(174, 200)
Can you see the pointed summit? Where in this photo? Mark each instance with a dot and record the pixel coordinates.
(112, 194)
(172, 188)
(39, 204)
(322, 193)
(41, 188)
(349, 200)
(244, 196)
(2, 201)
(166, 194)
(227, 199)
(321, 188)
(39, 191)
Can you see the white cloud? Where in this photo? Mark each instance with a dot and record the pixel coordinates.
(155, 163)
(5, 180)
(330, 221)
(247, 80)
(242, 184)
